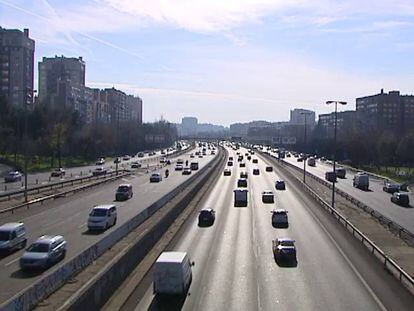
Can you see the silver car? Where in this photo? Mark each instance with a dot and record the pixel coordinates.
(45, 252)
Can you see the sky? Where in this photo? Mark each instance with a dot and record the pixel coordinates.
(228, 61)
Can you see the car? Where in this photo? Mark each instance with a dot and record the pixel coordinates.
(288, 155)
(140, 155)
(269, 169)
(230, 163)
(284, 249)
(242, 183)
(124, 192)
(192, 156)
(194, 166)
(179, 167)
(206, 217)
(200, 156)
(12, 236)
(213, 152)
(256, 171)
(243, 174)
(227, 172)
(102, 217)
(255, 161)
(58, 172)
(13, 176)
(400, 198)
(280, 185)
(100, 170)
(100, 161)
(43, 253)
(279, 218)
(163, 160)
(268, 196)
(126, 157)
(391, 188)
(249, 158)
(187, 171)
(242, 164)
(180, 161)
(168, 162)
(231, 159)
(135, 164)
(155, 177)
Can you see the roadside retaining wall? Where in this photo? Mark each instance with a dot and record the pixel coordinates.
(29, 297)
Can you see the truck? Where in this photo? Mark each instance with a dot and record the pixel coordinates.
(311, 161)
(240, 197)
(172, 273)
(361, 181)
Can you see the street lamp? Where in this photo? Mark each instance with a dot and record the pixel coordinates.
(305, 114)
(334, 153)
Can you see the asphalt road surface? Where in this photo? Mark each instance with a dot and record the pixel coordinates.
(45, 178)
(235, 268)
(68, 217)
(375, 198)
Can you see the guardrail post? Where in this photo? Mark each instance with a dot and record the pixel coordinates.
(81, 173)
(5, 187)
(37, 181)
(50, 178)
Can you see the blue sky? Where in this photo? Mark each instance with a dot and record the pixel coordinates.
(228, 61)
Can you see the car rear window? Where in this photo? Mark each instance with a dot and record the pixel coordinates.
(99, 212)
(123, 189)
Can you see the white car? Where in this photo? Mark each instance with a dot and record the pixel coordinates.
(102, 217)
(179, 167)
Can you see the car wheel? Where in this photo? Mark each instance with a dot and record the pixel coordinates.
(114, 222)
(23, 244)
(106, 226)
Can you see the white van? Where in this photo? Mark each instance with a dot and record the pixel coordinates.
(12, 236)
(172, 273)
(102, 217)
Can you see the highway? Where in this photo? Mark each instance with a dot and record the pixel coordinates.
(235, 269)
(375, 198)
(40, 178)
(68, 217)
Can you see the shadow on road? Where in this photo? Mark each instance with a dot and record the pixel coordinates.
(20, 274)
(170, 303)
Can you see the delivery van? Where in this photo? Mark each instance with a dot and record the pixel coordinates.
(361, 181)
(172, 273)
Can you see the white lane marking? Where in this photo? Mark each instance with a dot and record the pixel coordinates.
(368, 288)
(82, 225)
(11, 262)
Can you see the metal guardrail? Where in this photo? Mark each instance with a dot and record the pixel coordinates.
(64, 193)
(80, 180)
(388, 262)
(60, 184)
(395, 228)
(30, 296)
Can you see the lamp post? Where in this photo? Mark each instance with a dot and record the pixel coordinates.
(334, 153)
(29, 100)
(305, 114)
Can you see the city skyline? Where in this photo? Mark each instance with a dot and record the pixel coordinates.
(231, 62)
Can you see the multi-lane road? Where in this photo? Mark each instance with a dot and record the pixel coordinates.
(235, 268)
(73, 172)
(68, 217)
(375, 198)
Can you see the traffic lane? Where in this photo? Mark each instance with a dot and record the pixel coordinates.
(74, 172)
(366, 270)
(69, 219)
(217, 272)
(229, 267)
(375, 198)
(321, 274)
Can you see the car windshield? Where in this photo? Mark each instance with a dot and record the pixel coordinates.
(38, 248)
(99, 212)
(286, 243)
(4, 235)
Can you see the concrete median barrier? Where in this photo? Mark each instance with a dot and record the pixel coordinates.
(31, 296)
